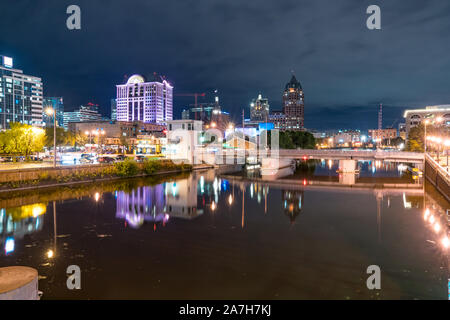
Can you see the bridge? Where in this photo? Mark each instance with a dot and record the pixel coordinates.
(393, 156)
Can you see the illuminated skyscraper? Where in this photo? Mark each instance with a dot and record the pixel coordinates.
(20, 96)
(293, 105)
(147, 101)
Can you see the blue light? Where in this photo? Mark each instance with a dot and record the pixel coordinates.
(9, 245)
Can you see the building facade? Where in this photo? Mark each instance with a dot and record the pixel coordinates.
(293, 105)
(382, 134)
(259, 109)
(57, 104)
(114, 131)
(113, 109)
(414, 117)
(86, 113)
(147, 101)
(21, 96)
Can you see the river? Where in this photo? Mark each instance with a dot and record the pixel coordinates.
(307, 235)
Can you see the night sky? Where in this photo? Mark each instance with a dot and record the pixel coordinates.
(241, 48)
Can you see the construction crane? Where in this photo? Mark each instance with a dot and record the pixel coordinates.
(195, 95)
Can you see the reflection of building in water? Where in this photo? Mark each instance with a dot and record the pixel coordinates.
(141, 204)
(181, 198)
(158, 203)
(17, 222)
(292, 203)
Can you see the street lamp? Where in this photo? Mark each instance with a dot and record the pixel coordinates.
(425, 137)
(50, 111)
(447, 144)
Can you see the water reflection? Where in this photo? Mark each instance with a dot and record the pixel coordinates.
(17, 222)
(262, 237)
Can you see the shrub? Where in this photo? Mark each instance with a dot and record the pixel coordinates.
(126, 168)
(151, 166)
(43, 176)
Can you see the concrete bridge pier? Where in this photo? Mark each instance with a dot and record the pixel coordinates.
(347, 172)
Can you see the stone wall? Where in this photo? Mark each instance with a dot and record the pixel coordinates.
(36, 173)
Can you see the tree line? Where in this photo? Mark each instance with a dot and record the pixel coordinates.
(25, 140)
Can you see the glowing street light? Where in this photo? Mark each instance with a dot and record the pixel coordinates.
(445, 242)
(51, 112)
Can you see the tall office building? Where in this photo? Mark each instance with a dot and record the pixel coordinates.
(113, 109)
(55, 103)
(20, 96)
(259, 109)
(293, 105)
(150, 101)
(86, 113)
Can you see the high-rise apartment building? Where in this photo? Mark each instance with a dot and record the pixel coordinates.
(150, 101)
(20, 96)
(55, 103)
(293, 105)
(259, 109)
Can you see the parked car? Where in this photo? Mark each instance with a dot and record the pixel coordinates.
(86, 160)
(140, 158)
(105, 160)
(120, 157)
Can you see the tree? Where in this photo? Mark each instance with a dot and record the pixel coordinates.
(22, 139)
(394, 142)
(416, 139)
(63, 138)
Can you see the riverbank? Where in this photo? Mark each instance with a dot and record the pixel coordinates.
(35, 179)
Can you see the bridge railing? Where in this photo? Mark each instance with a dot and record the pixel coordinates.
(355, 153)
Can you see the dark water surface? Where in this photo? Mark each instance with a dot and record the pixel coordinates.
(200, 236)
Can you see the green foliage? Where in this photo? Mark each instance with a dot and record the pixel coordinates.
(44, 175)
(126, 168)
(296, 139)
(394, 142)
(416, 139)
(152, 166)
(22, 139)
(63, 138)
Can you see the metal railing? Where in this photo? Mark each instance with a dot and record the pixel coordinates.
(436, 166)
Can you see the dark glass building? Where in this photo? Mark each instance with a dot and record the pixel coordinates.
(55, 103)
(20, 96)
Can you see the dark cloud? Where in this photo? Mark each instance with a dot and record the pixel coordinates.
(242, 48)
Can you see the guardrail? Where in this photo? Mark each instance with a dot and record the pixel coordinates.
(376, 154)
(437, 176)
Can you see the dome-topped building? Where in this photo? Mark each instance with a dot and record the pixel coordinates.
(147, 99)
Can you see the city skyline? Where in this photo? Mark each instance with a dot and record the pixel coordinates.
(340, 63)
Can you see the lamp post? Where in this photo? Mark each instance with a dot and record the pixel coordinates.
(50, 112)
(425, 137)
(447, 144)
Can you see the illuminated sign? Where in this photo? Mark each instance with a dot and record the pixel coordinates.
(7, 62)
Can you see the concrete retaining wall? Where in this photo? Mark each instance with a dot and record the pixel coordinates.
(35, 173)
(437, 176)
